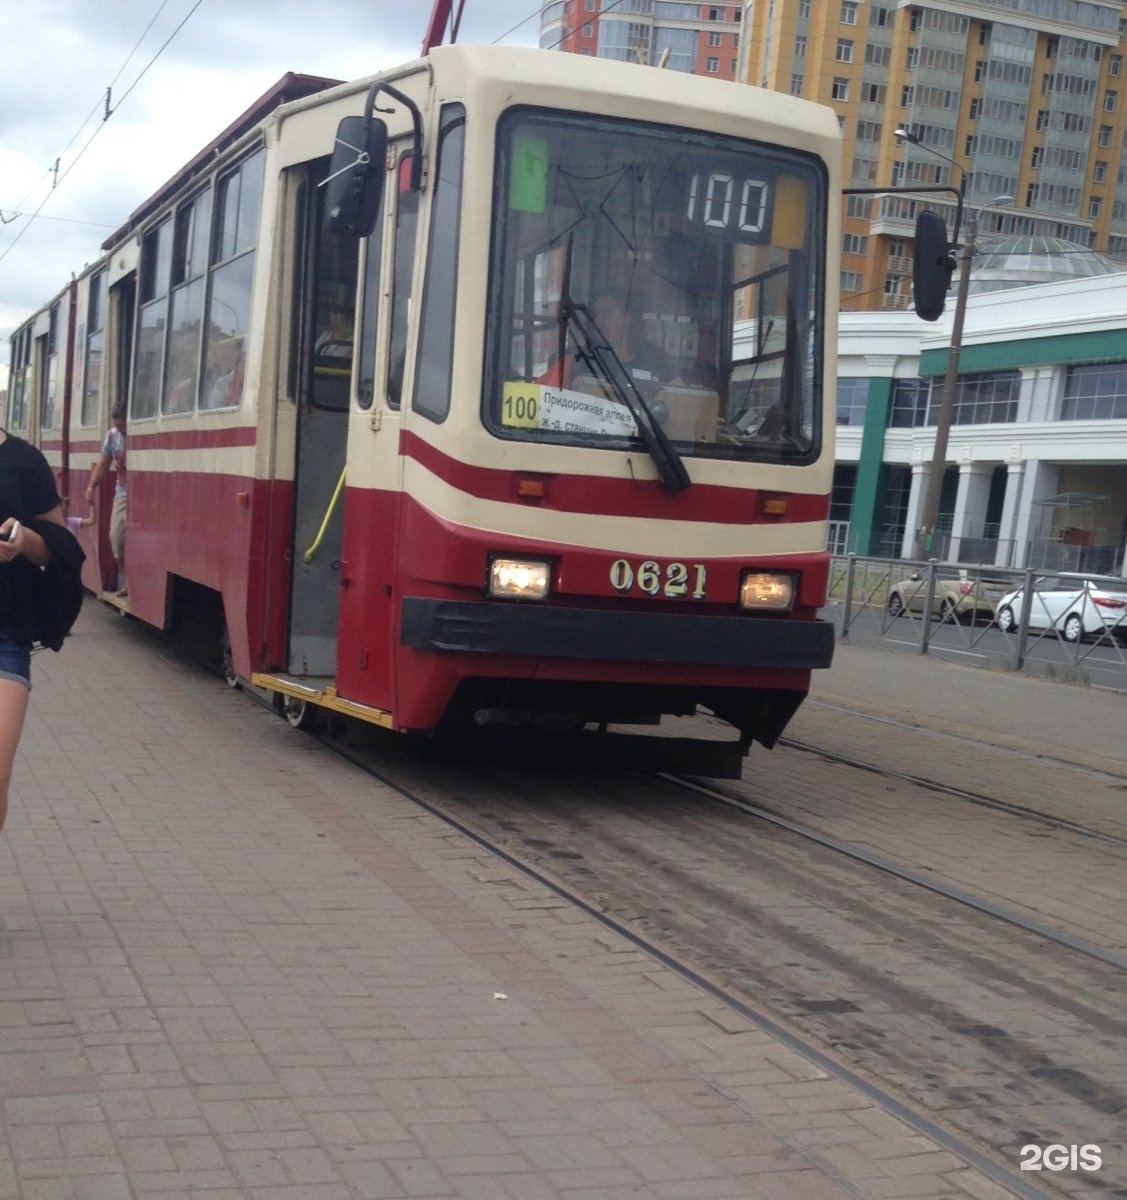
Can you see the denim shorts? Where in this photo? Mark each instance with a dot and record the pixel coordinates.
(15, 658)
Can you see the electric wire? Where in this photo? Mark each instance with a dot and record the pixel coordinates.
(109, 112)
(137, 44)
(31, 218)
(103, 102)
(64, 220)
(567, 33)
(164, 47)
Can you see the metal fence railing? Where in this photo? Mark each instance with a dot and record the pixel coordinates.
(1014, 618)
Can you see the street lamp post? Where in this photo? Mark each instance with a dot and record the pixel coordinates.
(929, 513)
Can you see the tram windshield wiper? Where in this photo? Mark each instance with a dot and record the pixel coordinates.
(594, 349)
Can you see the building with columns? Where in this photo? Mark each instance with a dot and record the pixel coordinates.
(1037, 459)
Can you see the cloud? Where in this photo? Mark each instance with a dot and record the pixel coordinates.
(166, 105)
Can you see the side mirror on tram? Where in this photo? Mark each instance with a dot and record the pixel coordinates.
(354, 187)
(933, 264)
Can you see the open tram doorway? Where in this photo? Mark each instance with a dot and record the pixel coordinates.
(109, 365)
(324, 315)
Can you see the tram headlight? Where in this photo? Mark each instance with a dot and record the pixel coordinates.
(774, 591)
(519, 579)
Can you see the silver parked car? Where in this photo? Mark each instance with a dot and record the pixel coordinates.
(1071, 607)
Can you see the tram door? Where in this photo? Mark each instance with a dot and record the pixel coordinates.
(109, 364)
(324, 311)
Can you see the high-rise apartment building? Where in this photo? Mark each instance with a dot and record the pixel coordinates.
(1026, 97)
(702, 39)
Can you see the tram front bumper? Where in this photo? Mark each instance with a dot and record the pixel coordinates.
(549, 631)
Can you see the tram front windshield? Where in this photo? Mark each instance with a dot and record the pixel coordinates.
(692, 264)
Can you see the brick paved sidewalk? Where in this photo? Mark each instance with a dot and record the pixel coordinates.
(1069, 721)
(233, 966)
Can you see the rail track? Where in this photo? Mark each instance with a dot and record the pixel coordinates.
(920, 879)
(973, 1023)
(977, 1024)
(712, 981)
(972, 797)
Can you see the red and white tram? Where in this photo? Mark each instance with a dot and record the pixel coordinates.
(508, 400)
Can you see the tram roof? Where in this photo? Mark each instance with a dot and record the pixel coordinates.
(291, 86)
(502, 62)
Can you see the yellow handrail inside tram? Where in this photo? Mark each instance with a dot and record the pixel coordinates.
(308, 556)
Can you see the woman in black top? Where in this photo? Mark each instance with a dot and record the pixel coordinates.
(31, 518)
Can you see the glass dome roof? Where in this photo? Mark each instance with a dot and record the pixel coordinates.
(1024, 259)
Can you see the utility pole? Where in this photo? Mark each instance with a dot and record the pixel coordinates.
(925, 544)
(929, 514)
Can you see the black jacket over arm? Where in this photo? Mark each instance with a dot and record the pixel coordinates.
(46, 602)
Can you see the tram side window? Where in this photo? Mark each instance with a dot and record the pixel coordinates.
(17, 383)
(334, 314)
(156, 265)
(92, 351)
(406, 237)
(238, 199)
(189, 264)
(403, 270)
(436, 339)
(51, 374)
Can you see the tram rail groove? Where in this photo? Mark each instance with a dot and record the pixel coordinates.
(993, 745)
(933, 785)
(1038, 928)
(915, 1119)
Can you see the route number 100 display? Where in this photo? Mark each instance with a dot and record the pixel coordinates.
(520, 406)
(736, 208)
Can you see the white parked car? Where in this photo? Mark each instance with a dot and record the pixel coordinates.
(1071, 607)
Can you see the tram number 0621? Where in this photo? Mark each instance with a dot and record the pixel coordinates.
(651, 579)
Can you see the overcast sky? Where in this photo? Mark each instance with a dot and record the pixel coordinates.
(61, 55)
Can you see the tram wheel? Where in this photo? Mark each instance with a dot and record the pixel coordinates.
(299, 713)
(229, 674)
